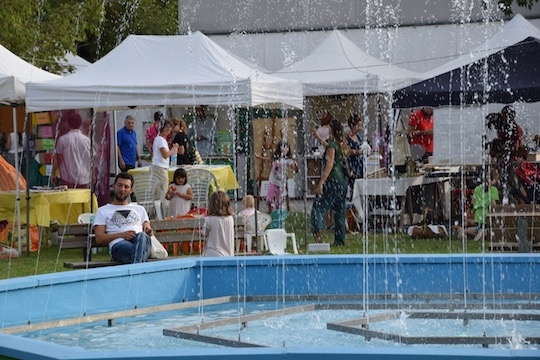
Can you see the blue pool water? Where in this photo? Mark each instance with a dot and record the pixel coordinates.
(451, 281)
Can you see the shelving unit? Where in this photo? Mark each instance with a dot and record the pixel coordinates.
(314, 169)
(44, 141)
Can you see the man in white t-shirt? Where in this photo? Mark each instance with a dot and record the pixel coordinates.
(124, 226)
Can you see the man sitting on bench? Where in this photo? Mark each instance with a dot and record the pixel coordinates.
(124, 226)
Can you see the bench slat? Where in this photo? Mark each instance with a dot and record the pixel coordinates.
(510, 246)
(510, 234)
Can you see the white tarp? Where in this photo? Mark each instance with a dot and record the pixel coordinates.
(184, 70)
(15, 73)
(338, 66)
(78, 63)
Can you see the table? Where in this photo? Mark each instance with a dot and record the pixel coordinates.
(390, 187)
(64, 206)
(223, 173)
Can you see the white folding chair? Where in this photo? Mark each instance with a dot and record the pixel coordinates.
(263, 220)
(200, 181)
(276, 241)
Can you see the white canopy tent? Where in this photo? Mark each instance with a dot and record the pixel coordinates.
(15, 73)
(183, 70)
(338, 66)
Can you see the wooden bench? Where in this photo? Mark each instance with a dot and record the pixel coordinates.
(186, 231)
(514, 228)
(174, 232)
(80, 236)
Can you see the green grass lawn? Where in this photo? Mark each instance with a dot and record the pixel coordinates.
(51, 260)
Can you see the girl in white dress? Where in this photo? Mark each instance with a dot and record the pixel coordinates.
(179, 194)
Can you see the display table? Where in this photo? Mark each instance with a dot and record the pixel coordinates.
(64, 206)
(389, 187)
(223, 173)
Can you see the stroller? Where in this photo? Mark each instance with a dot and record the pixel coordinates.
(528, 182)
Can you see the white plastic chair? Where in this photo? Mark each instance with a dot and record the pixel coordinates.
(200, 181)
(144, 190)
(159, 209)
(86, 218)
(276, 241)
(263, 220)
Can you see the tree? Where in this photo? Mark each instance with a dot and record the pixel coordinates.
(43, 31)
(506, 5)
(125, 17)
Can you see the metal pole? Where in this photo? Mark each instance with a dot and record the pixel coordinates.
(17, 178)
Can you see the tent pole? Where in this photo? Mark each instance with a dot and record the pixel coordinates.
(115, 142)
(17, 178)
(27, 145)
(253, 175)
(305, 118)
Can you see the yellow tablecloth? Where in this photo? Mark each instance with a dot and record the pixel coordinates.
(223, 173)
(64, 206)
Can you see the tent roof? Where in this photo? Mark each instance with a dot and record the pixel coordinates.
(76, 61)
(504, 69)
(15, 73)
(183, 70)
(338, 66)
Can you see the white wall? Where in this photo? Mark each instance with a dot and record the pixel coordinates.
(458, 131)
(419, 48)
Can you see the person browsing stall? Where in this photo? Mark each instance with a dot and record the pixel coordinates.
(126, 140)
(331, 190)
(322, 133)
(181, 138)
(358, 148)
(153, 131)
(159, 171)
(72, 156)
(420, 130)
(124, 226)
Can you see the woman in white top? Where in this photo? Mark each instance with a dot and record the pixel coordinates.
(159, 171)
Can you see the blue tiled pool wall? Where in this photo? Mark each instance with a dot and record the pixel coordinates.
(69, 294)
(84, 292)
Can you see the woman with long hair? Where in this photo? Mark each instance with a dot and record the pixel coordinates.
(331, 190)
(218, 226)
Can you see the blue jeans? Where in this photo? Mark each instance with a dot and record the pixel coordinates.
(333, 197)
(131, 252)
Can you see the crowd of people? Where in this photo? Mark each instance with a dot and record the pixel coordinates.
(125, 226)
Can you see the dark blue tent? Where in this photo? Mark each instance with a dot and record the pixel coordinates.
(505, 69)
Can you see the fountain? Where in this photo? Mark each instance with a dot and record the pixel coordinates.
(471, 288)
(372, 291)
